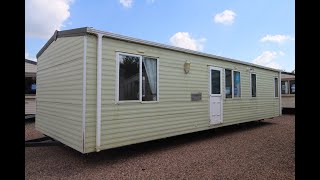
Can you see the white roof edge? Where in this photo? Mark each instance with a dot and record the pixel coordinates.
(164, 46)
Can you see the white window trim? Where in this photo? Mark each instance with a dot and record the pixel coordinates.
(251, 86)
(233, 85)
(117, 101)
(274, 87)
(221, 82)
(158, 94)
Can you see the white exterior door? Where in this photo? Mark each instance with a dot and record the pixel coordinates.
(215, 88)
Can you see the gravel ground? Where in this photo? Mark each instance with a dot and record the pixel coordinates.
(264, 150)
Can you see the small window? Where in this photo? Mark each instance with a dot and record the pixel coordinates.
(292, 87)
(284, 87)
(215, 82)
(253, 85)
(129, 77)
(138, 78)
(237, 84)
(228, 80)
(276, 87)
(149, 79)
(30, 85)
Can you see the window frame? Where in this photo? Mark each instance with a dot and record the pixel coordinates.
(274, 87)
(251, 85)
(289, 87)
(216, 68)
(232, 84)
(35, 82)
(157, 80)
(117, 101)
(225, 96)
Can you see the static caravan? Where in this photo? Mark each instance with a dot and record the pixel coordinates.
(98, 90)
(288, 90)
(30, 76)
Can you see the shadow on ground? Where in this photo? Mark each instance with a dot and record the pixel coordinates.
(125, 152)
(29, 121)
(289, 111)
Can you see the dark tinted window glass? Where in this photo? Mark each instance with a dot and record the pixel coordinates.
(253, 86)
(228, 80)
(215, 82)
(30, 85)
(276, 85)
(129, 77)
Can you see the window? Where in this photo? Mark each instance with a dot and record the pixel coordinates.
(149, 79)
(237, 84)
(284, 87)
(138, 78)
(276, 87)
(232, 83)
(292, 87)
(129, 81)
(215, 82)
(253, 85)
(288, 87)
(30, 85)
(228, 80)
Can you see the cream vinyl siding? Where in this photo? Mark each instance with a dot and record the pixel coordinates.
(288, 100)
(59, 91)
(30, 68)
(30, 105)
(175, 113)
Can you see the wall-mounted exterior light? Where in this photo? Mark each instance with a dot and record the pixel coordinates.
(187, 65)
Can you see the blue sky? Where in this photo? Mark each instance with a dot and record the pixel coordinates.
(261, 31)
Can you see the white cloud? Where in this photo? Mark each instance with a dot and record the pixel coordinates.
(267, 58)
(126, 3)
(184, 40)
(274, 65)
(43, 17)
(276, 38)
(226, 17)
